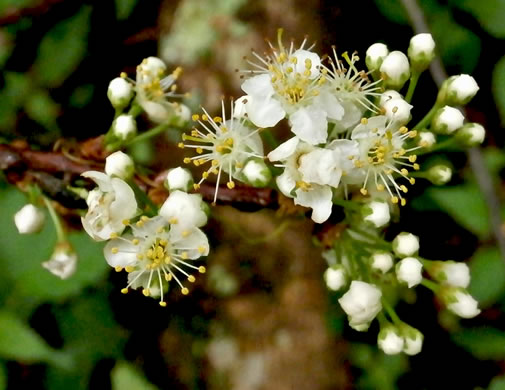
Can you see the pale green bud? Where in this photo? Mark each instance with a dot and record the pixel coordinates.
(421, 51)
(256, 173)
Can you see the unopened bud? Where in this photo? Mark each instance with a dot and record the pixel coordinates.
(421, 51)
(427, 139)
(439, 174)
(29, 219)
(375, 56)
(390, 340)
(179, 179)
(471, 134)
(405, 244)
(120, 165)
(395, 70)
(409, 271)
(452, 273)
(459, 301)
(447, 120)
(124, 127)
(413, 339)
(382, 261)
(457, 90)
(335, 277)
(398, 110)
(389, 95)
(256, 173)
(120, 93)
(376, 213)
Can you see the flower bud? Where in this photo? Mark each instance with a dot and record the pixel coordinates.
(63, 261)
(153, 67)
(409, 271)
(390, 340)
(447, 120)
(413, 339)
(452, 273)
(335, 277)
(398, 110)
(421, 51)
(256, 173)
(124, 127)
(471, 134)
(405, 244)
(376, 213)
(382, 261)
(389, 95)
(184, 211)
(29, 219)
(120, 93)
(179, 179)
(460, 302)
(375, 56)
(457, 90)
(362, 302)
(427, 139)
(120, 165)
(439, 174)
(395, 70)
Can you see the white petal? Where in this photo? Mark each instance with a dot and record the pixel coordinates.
(318, 199)
(125, 255)
(124, 205)
(258, 86)
(310, 125)
(286, 183)
(191, 243)
(264, 111)
(100, 178)
(284, 150)
(329, 103)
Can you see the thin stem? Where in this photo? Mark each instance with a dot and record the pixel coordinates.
(347, 204)
(391, 312)
(269, 138)
(430, 285)
(60, 233)
(427, 118)
(412, 86)
(439, 146)
(371, 237)
(135, 110)
(149, 134)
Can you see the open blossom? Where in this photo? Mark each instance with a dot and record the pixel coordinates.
(184, 210)
(63, 261)
(288, 83)
(109, 206)
(156, 253)
(225, 144)
(361, 303)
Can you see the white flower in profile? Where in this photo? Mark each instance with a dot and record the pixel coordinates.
(390, 340)
(382, 156)
(293, 182)
(225, 144)
(155, 253)
(460, 302)
(405, 244)
(119, 164)
(409, 271)
(376, 213)
(120, 93)
(382, 261)
(288, 83)
(452, 273)
(335, 277)
(471, 134)
(413, 339)
(183, 210)
(362, 302)
(109, 206)
(447, 120)
(63, 261)
(29, 219)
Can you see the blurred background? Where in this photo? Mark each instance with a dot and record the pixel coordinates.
(261, 318)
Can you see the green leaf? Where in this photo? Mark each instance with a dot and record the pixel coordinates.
(494, 159)
(393, 10)
(489, 13)
(498, 383)
(488, 276)
(499, 87)
(62, 49)
(484, 343)
(19, 342)
(465, 204)
(7, 5)
(124, 8)
(12, 97)
(42, 109)
(124, 376)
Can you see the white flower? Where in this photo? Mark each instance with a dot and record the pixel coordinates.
(413, 340)
(183, 210)
(154, 253)
(63, 261)
(439, 174)
(409, 271)
(179, 179)
(29, 219)
(452, 273)
(335, 277)
(120, 165)
(395, 69)
(471, 134)
(153, 86)
(361, 303)
(398, 110)
(225, 144)
(124, 127)
(421, 51)
(427, 139)
(377, 213)
(390, 340)
(405, 244)
(109, 206)
(292, 183)
(256, 173)
(447, 120)
(460, 302)
(389, 95)
(458, 90)
(382, 156)
(375, 55)
(120, 92)
(382, 261)
(288, 83)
